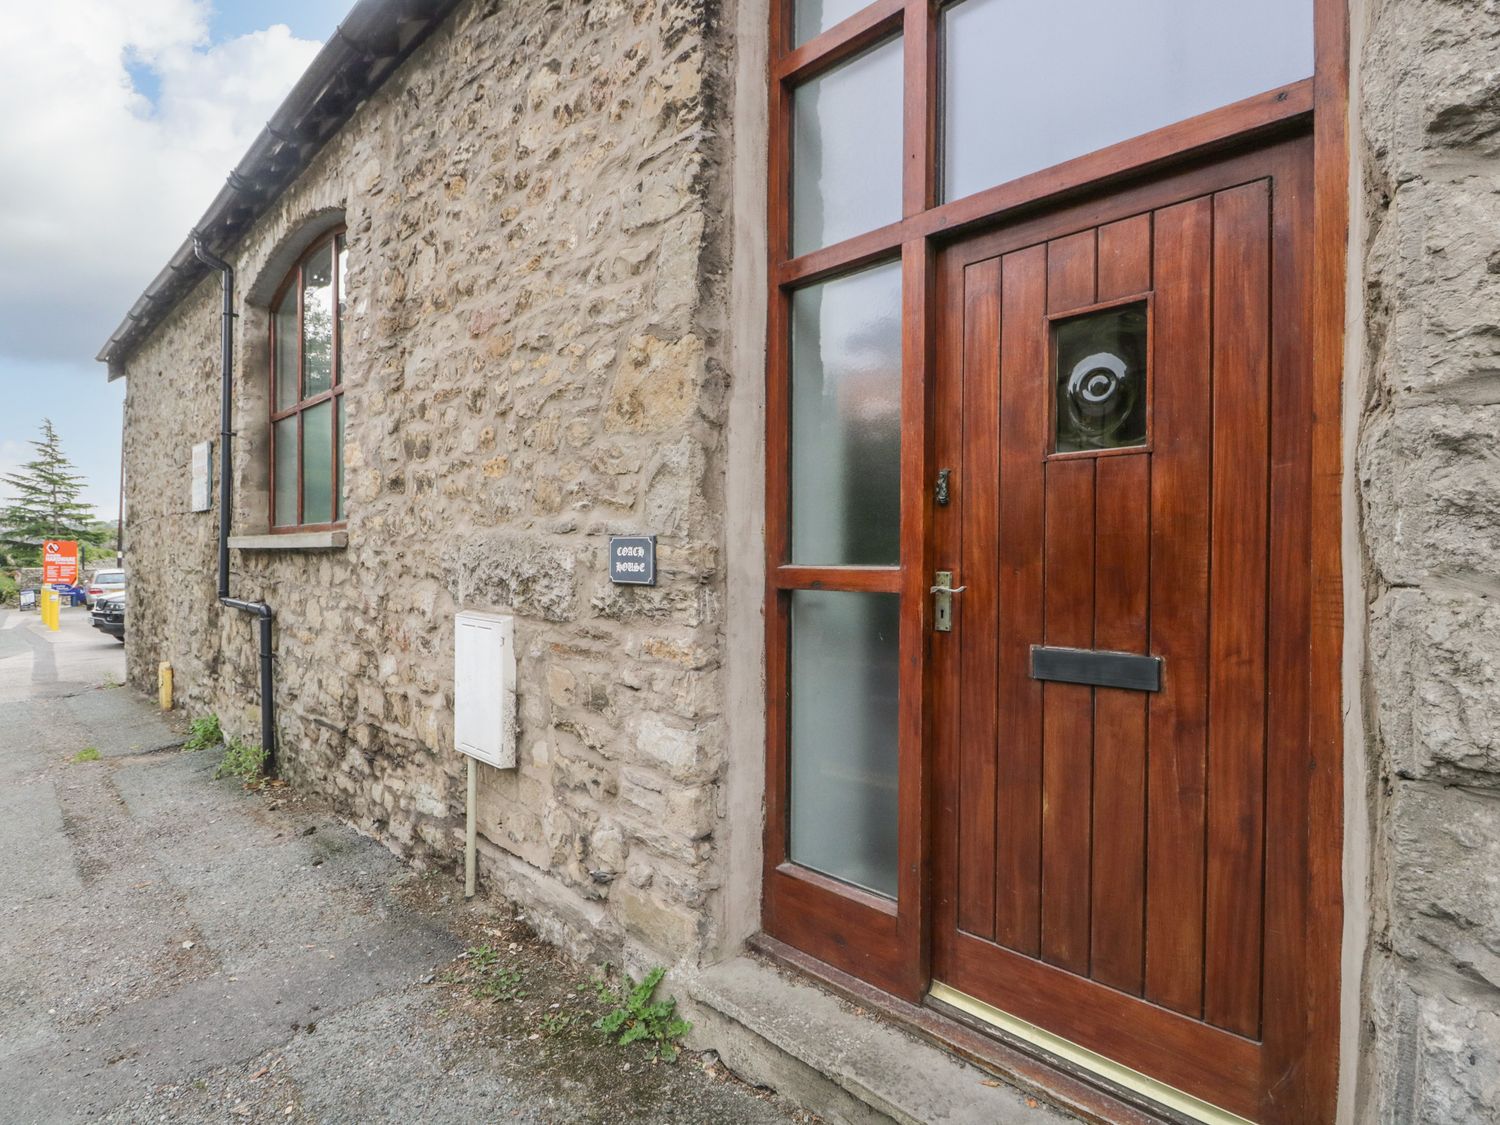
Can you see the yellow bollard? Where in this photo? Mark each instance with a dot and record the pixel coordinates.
(164, 685)
(53, 603)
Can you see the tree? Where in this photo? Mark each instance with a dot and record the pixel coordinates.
(46, 503)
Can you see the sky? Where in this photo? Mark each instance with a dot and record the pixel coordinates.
(119, 120)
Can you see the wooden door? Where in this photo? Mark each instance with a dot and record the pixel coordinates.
(1125, 867)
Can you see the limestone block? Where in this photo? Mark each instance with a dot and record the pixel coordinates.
(665, 927)
(1445, 873)
(656, 385)
(1430, 488)
(1436, 665)
(517, 572)
(1458, 1060)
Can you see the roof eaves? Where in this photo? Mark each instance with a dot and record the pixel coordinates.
(365, 49)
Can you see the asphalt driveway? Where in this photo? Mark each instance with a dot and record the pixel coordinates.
(176, 947)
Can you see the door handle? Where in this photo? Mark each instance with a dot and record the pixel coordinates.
(942, 605)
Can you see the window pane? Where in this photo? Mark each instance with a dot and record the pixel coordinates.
(1101, 379)
(846, 419)
(317, 464)
(285, 438)
(286, 349)
(846, 150)
(317, 323)
(343, 273)
(814, 16)
(1031, 83)
(843, 736)
(339, 457)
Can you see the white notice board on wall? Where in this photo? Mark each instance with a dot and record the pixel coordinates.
(484, 688)
(203, 476)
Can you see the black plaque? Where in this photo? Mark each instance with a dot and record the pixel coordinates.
(632, 560)
(1127, 670)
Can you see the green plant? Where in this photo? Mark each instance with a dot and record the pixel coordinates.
(493, 981)
(555, 1023)
(242, 760)
(87, 754)
(203, 733)
(635, 1016)
(8, 590)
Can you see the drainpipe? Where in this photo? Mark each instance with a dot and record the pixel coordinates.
(226, 504)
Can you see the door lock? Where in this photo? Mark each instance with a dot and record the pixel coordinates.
(942, 604)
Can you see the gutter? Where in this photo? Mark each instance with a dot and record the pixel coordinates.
(261, 610)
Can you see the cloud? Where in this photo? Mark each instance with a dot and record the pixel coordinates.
(99, 183)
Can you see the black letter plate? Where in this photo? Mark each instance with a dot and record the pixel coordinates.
(1101, 669)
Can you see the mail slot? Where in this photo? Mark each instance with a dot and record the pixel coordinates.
(1097, 668)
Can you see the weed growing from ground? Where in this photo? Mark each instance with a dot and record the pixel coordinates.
(242, 760)
(635, 1017)
(87, 754)
(203, 733)
(494, 981)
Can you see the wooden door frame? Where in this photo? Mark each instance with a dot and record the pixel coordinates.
(889, 944)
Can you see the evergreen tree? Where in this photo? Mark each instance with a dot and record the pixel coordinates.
(45, 504)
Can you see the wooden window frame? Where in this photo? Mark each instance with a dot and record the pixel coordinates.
(334, 239)
(885, 943)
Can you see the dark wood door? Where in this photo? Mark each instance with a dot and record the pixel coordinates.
(1124, 400)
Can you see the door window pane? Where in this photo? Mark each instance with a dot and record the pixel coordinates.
(286, 350)
(844, 710)
(846, 420)
(1031, 83)
(317, 322)
(286, 472)
(846, 149)
(814, 16)
(1100, 376)
(317, 464)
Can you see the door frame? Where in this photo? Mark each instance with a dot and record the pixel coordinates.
(889, 944)
(1201, 1055)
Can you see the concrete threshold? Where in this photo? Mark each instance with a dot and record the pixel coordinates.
(779, 1029)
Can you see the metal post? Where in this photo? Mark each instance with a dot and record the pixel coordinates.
(470, 833)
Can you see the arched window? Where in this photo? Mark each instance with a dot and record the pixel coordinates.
(307, 390)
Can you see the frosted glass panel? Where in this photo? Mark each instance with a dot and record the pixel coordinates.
(1031, 83)
(286, 473)
(286, 350)
(814, 16)
(846, 420)
(317, 464)
(846, 150)
(843, 736)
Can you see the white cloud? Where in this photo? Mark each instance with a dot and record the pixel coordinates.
(97, 185)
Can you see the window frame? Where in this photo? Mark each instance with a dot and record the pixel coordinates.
(333, 238)
(841, 927)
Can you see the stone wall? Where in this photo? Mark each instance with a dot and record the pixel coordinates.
(535, 359)
(1429, 482)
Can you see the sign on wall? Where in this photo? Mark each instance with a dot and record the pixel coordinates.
(60, 562)
(632, 560)
(203, 476)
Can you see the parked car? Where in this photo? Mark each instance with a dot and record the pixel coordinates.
(105, 582)
(108, 615)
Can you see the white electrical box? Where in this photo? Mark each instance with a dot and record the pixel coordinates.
(484, 688)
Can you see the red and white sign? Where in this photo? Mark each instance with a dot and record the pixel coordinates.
(60, 561)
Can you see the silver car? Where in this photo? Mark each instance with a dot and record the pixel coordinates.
(105, 582)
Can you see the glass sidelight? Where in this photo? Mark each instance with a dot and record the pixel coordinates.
(843, 736)
(846, 420)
